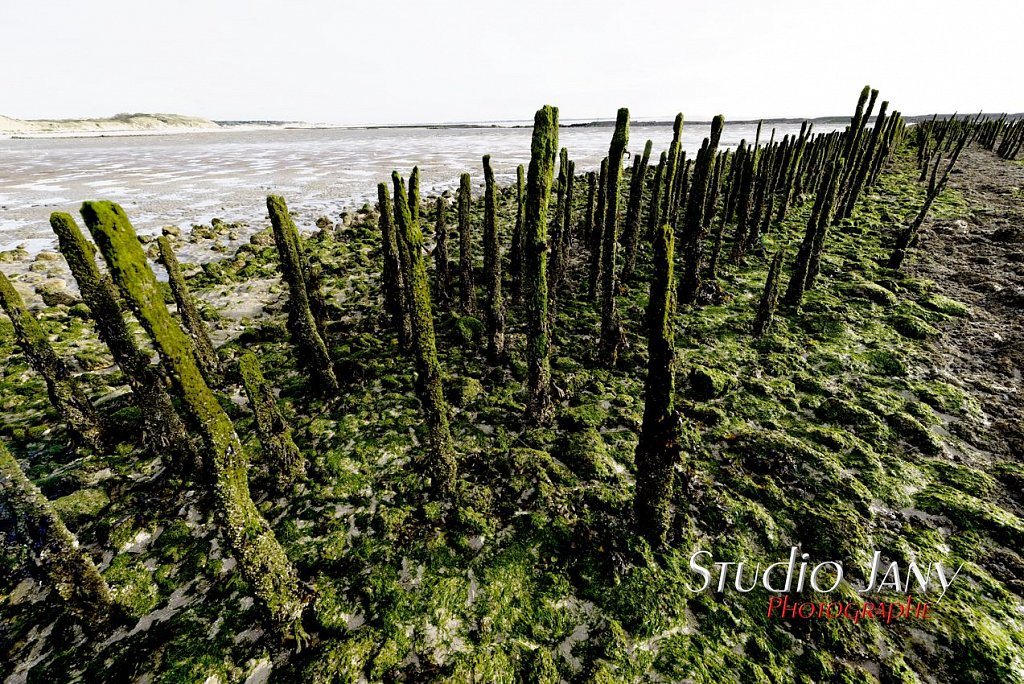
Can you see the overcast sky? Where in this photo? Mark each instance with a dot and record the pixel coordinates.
(401, 61)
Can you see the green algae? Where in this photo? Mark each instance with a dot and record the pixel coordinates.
(530, 550)
(132, 586)
(80, 505)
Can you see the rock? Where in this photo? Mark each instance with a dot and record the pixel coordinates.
(83, 504)
(585, 416)
(47, 256)
(54, 293)
(19, 253)
(263, 238)
(80, 310)
(1007, 235)
(986, 286)
(887, 363)
(913, 327)
(462, 390)
(916, 434)
(945, 305)
(469, 329)
(585, 454)
(202, 233)
(708, 383)
(842, 412)
(1011, 296)
(873, 292)
(171, 231)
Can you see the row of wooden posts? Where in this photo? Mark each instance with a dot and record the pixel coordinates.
(194, 433)
(686, 199)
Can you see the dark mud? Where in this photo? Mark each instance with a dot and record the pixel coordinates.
(979, 260)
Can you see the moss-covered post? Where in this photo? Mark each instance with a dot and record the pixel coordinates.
(442, 276)
(818, 245)
(654, 206)
(668, 197)
(392, 284)
(908, 235)
(709, 216)
(588, 215)
(681, 188)
(282, 457)
(558, 263)
(404, 264)
(414, 195)
(733, 183)
(611, 330)
(164, 429)
(658, 449)
(631, 230)
(865, 162)
(597, 235)
(543, 149)
(309, 346)
(516, 251)
(66, 567)
(694, 224)
(192, 321)
(714, 189)
(441, 467)
(556, 241)
(743, 202)
(567, 222)
(769, 297)
(466, 294)
(260, 558)
(814, 235)
(492, 269)
(67, 396)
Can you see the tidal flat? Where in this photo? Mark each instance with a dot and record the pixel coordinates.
(880, 411)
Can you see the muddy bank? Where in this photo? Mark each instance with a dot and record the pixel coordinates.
(978, 259)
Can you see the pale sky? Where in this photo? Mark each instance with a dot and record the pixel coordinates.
(401, 61)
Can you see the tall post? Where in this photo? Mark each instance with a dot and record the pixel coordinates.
(543, 149)
(516, 252)
(283, 459)
(442, 277)
(658, 449)
(631, 232)
(260, 557)
(309, 346)
(492, 269)
(163, 427)
(610, 328)
(392, 284)
(441, 466)
(466, 295)
(206, 355)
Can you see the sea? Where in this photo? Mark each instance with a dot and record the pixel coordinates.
(182, 179)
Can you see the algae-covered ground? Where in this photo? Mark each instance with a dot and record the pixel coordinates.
(884, 415)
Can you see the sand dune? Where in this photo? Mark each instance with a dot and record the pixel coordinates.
(119, 124)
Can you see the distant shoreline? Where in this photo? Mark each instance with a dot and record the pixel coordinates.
(146, 125)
